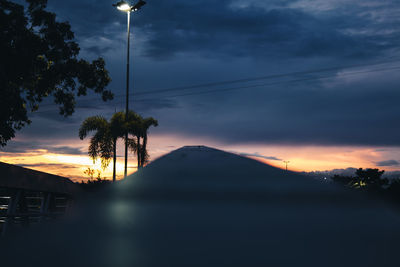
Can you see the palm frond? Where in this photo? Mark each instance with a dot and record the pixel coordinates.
(93, 123)
(132, 145)
(118, 127)
(145, 157)
(150, 121)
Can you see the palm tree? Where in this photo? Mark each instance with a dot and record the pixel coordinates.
(134, 126)
(139, 129)
(117, 128)
(103, 143)
(145, 125)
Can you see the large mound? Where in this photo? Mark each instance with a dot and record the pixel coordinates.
(196, 169)
(203, 207)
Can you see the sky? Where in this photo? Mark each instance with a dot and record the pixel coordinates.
(311, 82)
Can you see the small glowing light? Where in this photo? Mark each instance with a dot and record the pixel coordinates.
(124, 7)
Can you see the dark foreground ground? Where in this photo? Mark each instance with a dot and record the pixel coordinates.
(203, 207)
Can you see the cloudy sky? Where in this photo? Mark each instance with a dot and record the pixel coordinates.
(314, 82)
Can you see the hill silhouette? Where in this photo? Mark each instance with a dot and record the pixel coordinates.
(203, 172)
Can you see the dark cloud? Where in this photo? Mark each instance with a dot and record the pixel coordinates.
(65, 150)
(89, 18)
(51, 113)
(381, 150)
(20, 147)
(387, 163)
(47, 122)
(48, 165)
(216, 28)
(98, 49)
(223, 29)
(259, 156)
(155, 104)
(362, 112)
(36, 146)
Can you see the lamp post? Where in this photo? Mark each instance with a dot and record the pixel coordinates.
(126, 7)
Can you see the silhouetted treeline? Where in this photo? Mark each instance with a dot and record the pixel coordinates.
(371, 181)
(94, 185)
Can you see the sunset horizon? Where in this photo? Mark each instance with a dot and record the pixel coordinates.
(69, 159)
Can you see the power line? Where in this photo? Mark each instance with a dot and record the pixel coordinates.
(266, 77)
(260, 78)
(274, 83)
(256, 85)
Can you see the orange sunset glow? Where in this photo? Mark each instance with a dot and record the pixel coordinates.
(302, 158)
(66, 165)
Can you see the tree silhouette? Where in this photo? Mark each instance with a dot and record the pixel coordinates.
(134, 128)
(91, 172)
(139, 129)
(39, 58)
(370, 179)
(103, 143)
(145, 125)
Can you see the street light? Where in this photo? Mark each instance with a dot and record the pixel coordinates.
(126, 7)
(123, 6)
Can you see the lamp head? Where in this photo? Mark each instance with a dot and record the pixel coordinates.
(126, 7)
(123, 6)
